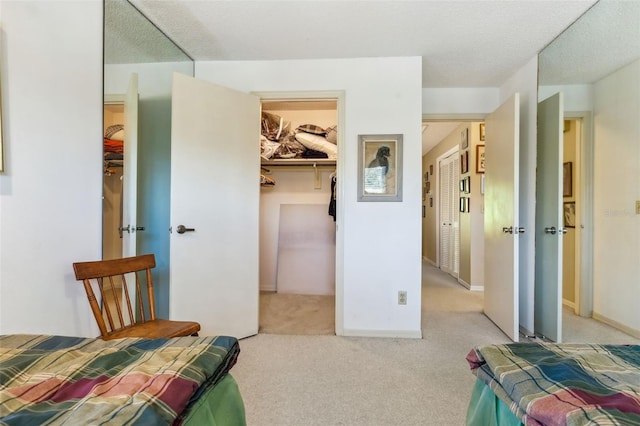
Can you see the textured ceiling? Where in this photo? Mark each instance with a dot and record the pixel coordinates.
(601, 41)
(463, 43)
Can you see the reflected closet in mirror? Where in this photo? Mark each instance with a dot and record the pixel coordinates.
(595, 64)
(139, 62)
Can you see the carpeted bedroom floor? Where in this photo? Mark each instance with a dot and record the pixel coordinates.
(332, 380)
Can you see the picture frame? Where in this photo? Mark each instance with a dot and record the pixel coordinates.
(431, 169)
(464, 139)
(464, 204)
(567, 179)
(462, 187)
(480, 160)
(482, 132)
(464, 162)
(380, 167)
(569, 214)
(467, 184)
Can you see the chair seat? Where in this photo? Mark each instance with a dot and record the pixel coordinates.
(156, 328)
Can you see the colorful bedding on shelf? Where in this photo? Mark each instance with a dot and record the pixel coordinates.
(70, 380)
(563, 384)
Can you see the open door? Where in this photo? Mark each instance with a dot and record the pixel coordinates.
(549, 230)
(501, 219)
(215, 167)
(130, 174)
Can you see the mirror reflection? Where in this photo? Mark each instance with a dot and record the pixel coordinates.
(595, 64)
(139, 62)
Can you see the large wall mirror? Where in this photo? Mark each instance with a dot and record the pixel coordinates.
(139, 62)
(595, 63)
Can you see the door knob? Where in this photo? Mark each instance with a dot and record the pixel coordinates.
(562, 231)
(182, 229)
(519, 230)
(124, 228)
(508, 230)
(551, 230)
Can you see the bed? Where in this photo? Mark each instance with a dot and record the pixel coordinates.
(555, 384)
(78, 381)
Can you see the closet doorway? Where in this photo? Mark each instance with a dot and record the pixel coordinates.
(298, 214)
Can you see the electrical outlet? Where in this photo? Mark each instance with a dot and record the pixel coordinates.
(402, 297)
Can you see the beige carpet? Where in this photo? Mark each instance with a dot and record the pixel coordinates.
(296, 314)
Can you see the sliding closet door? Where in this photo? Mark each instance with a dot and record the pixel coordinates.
(501, 218)
(215, 203)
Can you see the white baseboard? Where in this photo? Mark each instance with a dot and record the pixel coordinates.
(272, 289)
(407, 334)
(471, 287)
(429, 261)
(569, 304)
(615, 324)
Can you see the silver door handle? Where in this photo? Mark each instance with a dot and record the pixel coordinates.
(508, 230)
(562, 231)
(519, 230)
(551, 230)
(181, 229)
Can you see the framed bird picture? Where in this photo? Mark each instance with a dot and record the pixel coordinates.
(380, 167)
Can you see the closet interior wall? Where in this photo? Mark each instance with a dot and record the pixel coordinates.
(112, 192)
(302, 189)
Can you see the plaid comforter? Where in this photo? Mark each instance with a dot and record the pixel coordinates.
(51, 380)
(563, 384)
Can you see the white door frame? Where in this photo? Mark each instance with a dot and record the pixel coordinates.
(339, 96)
(584, 213)
(456, 118)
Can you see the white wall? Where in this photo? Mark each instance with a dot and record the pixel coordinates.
(450, 102)
(616, 188)
(525, 82)
(577, 97)
(381, 240)
(50, 193)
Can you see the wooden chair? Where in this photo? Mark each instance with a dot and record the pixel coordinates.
(106, 276)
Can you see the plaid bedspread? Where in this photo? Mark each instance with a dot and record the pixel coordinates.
(563, 384)
(53, 380)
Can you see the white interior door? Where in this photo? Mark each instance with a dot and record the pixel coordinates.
(449, 214)
(130, 169)
(501, 219)
(549, 231)
(215, 188)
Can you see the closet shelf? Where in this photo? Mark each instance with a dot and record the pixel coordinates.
(299, 162)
